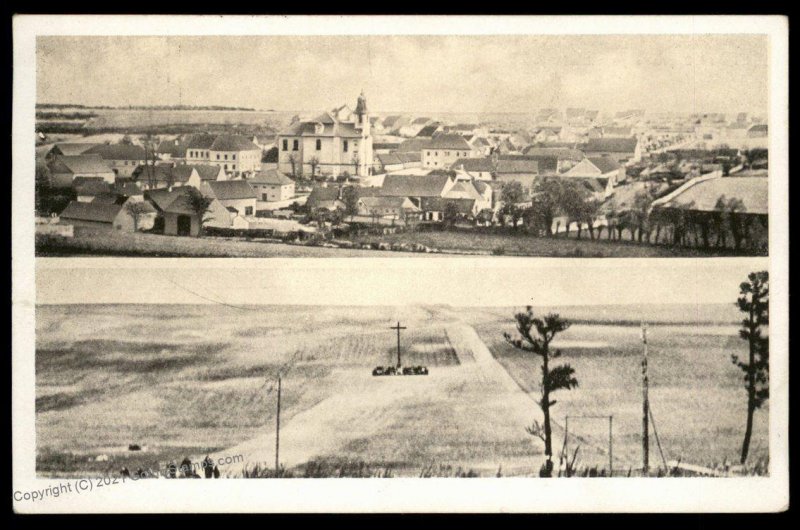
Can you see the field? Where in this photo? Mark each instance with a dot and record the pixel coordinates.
(183, 380)
(89, 242)
(526, 245)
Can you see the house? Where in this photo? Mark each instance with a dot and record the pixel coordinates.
(67, 149)
(87, 188)
(209, 172)
(523, 169)
(179, 217)
(617, 132)
(434, 208)
(416, 187)
(237, 155)
(171, 150)
(478, 192)
(478, 168)
(444, 149)
(122, 158)
(106, 216)
(336, 142)
(235, 195)
(152, 177)
(271, 186)
(430, 130)
(387, 207)
(759, 130)
(605, 168)
(413, 145)
(389, 162)
(623, 150)
(413, 128)
(65, 169)
(325, 197)
(566, 157)
(481, 145)
(601, 175)
(394, 123)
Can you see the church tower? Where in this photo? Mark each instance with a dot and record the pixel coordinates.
(365, 145)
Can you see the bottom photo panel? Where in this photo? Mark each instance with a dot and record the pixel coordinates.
(403, 370)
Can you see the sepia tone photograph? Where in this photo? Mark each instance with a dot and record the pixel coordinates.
(571, 381)
(339, 146)
(596, 192)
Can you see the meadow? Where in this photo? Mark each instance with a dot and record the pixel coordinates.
(190, 380)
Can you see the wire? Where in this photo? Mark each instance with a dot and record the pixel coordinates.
(655, 432)
(209, 299)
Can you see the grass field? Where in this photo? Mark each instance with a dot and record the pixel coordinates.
(189, 380)
(525, 245)
(90, 242)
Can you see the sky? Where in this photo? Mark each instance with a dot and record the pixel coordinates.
(507, 73)
(396, 282)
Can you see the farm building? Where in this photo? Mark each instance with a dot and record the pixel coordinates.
(479, 168)
(167, 176)
(64, 169)
(105, 216)
(178, 215)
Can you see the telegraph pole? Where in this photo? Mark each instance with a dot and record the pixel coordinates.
(398, 327)
(610, 446)
(645, 407)
(278, 429)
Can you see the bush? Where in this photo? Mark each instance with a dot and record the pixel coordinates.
(498, 251)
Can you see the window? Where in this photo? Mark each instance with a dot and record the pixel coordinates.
(344, 146)
(263, 196)
(234, 167)
(436, 153)
(234, 157)
(226, 157)
(285, 144)
(319, 144)
(226, 167)
(217, 156)
(447, 153)
(248, 210)
(294, 145)
(429, 153)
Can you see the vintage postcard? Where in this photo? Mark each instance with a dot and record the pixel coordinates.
(222, 229)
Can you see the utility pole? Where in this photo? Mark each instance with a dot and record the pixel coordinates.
(610, 446)
(278, 429)
(398, 327)
(645, 407)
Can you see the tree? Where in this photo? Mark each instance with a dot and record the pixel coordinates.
(535, 336)
(350, 200)
(511, 195)
(126, 140)
(355, 161)
(41, 185)
(571, 203)
(150, 144)
(545, 204)
(639, 214)
(485, 216)
(137, 210)
(200, 205)
(754, 302)
(293, 161)
(313, 162)
(449, 213)
(589, 213)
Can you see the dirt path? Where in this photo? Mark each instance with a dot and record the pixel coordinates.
(477, 394)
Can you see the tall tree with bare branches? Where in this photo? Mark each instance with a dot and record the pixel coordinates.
(535, 335)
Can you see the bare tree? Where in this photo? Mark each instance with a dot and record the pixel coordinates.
(293, 161)
(535, 336)
(137, 211)
(754, 302)
(314, 163)
(150, 144)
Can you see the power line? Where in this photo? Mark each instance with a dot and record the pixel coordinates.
(209, 299)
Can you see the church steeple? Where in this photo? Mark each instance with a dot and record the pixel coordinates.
(361, 106)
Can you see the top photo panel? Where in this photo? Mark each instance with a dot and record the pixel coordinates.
(402, 146)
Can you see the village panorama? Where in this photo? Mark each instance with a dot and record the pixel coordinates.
(351, 181)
